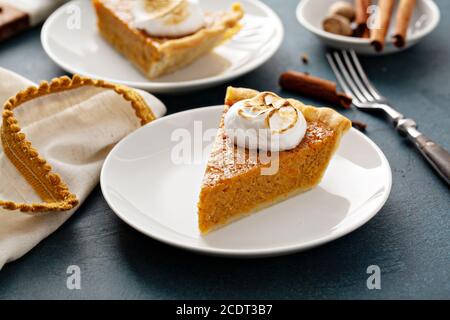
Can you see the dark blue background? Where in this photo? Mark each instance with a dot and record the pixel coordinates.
(409, 239)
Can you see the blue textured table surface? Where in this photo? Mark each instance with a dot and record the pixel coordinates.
(409, 239)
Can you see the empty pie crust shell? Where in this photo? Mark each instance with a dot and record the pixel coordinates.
(54, 193)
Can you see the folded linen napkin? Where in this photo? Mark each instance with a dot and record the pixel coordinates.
(54, 140)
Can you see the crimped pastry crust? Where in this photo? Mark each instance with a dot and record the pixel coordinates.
(158, 56)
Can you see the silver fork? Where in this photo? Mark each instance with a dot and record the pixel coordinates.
(354, 81)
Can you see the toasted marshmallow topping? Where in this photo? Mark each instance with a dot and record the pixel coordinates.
(266, 122)
(168, 18)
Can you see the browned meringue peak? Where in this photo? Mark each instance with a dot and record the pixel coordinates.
(160, 8)
(269, 103)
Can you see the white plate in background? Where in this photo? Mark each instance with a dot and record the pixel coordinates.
(83, 51)
(155, 195)
(311, 13)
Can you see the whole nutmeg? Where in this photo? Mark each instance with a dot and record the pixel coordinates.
(338, 25)
(344, 9)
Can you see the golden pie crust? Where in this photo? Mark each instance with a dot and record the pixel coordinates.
(232, 189)
(158, 56)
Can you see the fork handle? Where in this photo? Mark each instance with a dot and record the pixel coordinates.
(436, 155)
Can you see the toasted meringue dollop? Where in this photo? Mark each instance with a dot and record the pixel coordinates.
(266, 122)
(168, 18)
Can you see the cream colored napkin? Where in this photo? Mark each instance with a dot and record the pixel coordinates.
(72, 131)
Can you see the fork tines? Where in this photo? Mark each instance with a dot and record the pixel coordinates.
(352, 78)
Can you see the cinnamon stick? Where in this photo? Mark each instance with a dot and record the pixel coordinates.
(361, 15)
(314, 87)
(404, 13)
(378, 35)
(359, 125)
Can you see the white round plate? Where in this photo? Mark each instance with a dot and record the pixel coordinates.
(310, 13)
(79, 48)
(156, 193)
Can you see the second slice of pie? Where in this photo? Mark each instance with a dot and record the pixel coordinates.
(166, 38)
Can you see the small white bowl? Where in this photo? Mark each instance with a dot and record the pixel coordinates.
(311, 13)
